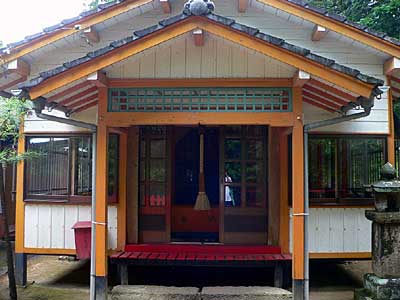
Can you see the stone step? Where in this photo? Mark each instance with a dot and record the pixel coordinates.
(141, 292)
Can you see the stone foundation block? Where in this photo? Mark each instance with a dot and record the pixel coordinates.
(381, 288)
(245, 293)
(141, 292)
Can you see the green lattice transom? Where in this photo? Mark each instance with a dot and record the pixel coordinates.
(200, 100)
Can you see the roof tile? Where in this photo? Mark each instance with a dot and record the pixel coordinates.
(148, 30)
(246, 29)
(220, 19)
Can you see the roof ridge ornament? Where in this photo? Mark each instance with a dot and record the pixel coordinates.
(198, 7)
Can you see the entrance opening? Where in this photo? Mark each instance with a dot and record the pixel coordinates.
(187, 224)
(235, 171)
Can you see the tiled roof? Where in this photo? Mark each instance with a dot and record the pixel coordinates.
(254, 32)
(343, 19)
(102, 7)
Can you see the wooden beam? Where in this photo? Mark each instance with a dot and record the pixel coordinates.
(318, 104)
(395, 79)
(83, 101)
(126, 119)
(348, 82)
(300, 78)
(243, 4)
(325, 95)
(68, 91)
(99, 79)
(334, 25)
(391, 65)
(189, 82)
(318, 33)
(78, 96)
(12, 83)
(341, 255)
(91, 35)
(166, 6)
(346, 96)
(85, 107)
(84, 23)
(320, 99)
(298, 187)
(198, 36)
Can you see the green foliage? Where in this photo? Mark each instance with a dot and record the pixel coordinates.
(12, 112)
(95, 3)
(383, 15)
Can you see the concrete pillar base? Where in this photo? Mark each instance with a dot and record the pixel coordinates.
(21, 269)
(299, 289)
(101, 287)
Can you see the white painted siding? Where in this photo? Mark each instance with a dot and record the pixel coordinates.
(218, 58)
(50, 226)
(33, 124)
(338, 230)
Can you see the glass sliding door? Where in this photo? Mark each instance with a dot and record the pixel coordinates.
(243, 177)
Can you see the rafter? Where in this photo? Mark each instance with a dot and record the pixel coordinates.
(85, 107)
(69, 91)
(83, 101)
(391, 65)
(243, 4)
(346, 96)
(91, 35)
(166, 6)
(198, 36)
(321, 100)
(300, 78)
(325, 95)
(318, 33)
(12, 83)
(99, 79)
(78, 96)
(317, 104)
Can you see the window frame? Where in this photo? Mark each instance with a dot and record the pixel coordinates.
(68, 199)
(345, 201)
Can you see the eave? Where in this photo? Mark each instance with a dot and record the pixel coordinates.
(84, 23)
(248, 37)
(298, 9)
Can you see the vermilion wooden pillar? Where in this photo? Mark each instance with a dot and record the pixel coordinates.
(298, 231)
(101, 199)
(391, 137)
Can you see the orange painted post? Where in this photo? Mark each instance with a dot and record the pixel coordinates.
(101, 200)
(298, 196)
(391, 137)
(20, 256)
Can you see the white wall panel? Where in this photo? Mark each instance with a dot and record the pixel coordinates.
(337, 230)
(50, 226)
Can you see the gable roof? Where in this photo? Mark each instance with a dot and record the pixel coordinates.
(300, 8)
(182, 23)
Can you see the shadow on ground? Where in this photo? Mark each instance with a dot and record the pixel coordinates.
(52, 278)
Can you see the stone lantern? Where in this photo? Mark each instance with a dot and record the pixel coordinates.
(384, 283)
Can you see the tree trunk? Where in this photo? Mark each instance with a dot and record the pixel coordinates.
(10, 261)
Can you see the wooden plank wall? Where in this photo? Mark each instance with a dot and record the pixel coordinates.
(49, 226)
(338, 230)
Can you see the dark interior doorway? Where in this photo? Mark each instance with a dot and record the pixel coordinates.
(187, 224)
